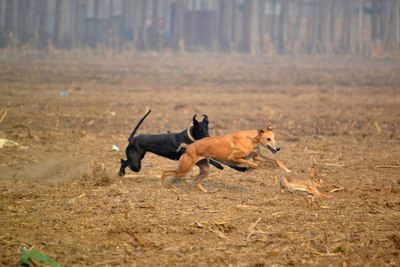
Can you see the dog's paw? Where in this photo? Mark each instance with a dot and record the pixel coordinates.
(239, 169)
(249, 169)
(213, 191)
(246, 169)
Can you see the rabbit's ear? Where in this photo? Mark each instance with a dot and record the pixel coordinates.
(311, 170)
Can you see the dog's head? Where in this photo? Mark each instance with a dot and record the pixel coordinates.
(200, 128)
(266, 138)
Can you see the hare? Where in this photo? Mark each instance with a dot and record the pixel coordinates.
(294, 183)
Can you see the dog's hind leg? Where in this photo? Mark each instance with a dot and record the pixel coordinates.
(216, 164)
(236, 168)
(204, 170)
(185, 164)
(172, 173)
(165, 175)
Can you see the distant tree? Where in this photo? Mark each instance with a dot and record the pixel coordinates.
(290, 26)
(282, 29)
(59, 28)
(346, 25)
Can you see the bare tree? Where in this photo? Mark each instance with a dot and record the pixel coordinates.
(178, 21)
(297, 26)
(346, 25)
(360, 25)
(59, 28)
(391, 28)
(282, 28)
(323, 26)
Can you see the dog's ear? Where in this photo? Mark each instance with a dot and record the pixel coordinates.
(260, 131)
(194, 120)
(269, 127)
(205, 119)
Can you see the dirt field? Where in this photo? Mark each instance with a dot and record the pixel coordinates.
(60, 193)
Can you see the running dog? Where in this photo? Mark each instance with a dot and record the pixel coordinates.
(232, 149)
(165, 145)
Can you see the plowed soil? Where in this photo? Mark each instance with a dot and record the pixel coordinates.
(60, 193)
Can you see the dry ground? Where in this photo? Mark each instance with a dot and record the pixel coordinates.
(60, 193)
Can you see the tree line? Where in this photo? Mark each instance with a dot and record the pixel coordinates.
(251, 26)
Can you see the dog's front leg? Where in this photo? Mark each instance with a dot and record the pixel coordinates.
(259, 157)
(124, 164)
(238, 156)
(247, 163)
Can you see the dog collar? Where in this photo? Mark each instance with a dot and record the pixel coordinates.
(190, 135)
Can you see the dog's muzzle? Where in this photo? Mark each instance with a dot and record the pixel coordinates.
(274, 150)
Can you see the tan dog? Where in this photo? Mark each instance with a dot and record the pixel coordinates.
(234, 149)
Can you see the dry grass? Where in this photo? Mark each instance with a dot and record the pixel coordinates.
(62, 195)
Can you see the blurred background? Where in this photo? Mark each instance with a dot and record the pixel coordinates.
(364, 27)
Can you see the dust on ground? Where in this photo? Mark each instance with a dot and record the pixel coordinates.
(60, 193)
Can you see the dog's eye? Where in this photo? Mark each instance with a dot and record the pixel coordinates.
(268, 139)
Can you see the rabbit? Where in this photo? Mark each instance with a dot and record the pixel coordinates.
(294, 183)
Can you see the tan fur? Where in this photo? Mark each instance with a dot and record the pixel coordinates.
(235, 148)
(294, 183)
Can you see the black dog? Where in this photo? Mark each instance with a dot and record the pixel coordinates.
(162, 144)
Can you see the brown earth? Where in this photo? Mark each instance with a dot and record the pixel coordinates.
(60, 193)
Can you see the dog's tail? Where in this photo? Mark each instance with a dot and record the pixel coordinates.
(138, 125)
